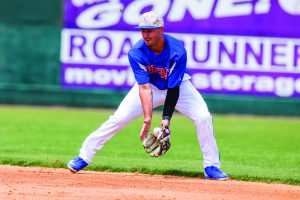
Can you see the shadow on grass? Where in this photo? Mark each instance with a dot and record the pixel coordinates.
(144, 170)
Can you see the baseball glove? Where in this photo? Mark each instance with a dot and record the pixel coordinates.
(157, 143)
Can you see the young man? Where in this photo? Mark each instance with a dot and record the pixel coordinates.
(158, 62)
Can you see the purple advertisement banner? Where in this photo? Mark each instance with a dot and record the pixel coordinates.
(249, 47)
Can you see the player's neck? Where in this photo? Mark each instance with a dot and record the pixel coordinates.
(159, 47)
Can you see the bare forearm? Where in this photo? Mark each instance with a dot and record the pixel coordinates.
(146, 99)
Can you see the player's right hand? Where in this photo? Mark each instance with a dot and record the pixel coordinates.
(145, 129)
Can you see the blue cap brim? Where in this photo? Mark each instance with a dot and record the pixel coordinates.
(148, 27)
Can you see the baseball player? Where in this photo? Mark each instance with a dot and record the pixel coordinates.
(159, 63)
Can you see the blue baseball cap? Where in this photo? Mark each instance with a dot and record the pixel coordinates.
(150, 20)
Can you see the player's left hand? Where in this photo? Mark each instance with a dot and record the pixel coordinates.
(157, 143)
(165, 123)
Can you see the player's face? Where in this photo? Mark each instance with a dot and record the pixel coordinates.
(152, 37)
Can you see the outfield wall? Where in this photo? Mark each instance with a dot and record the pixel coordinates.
(30, 68)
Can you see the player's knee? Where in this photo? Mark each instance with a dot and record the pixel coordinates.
(203, 118)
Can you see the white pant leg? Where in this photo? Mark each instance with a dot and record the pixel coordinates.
(192, 105)
(129, 109)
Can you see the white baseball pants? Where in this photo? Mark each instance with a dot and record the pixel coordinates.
(190, 103)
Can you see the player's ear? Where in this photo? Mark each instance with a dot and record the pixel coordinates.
(161, 29)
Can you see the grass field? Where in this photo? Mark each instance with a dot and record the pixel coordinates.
(252, 148)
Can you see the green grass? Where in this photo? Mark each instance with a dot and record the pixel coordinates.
(252, 148)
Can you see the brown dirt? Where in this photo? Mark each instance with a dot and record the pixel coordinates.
(45, 183)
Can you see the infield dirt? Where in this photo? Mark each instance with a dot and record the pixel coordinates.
(44, 183)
